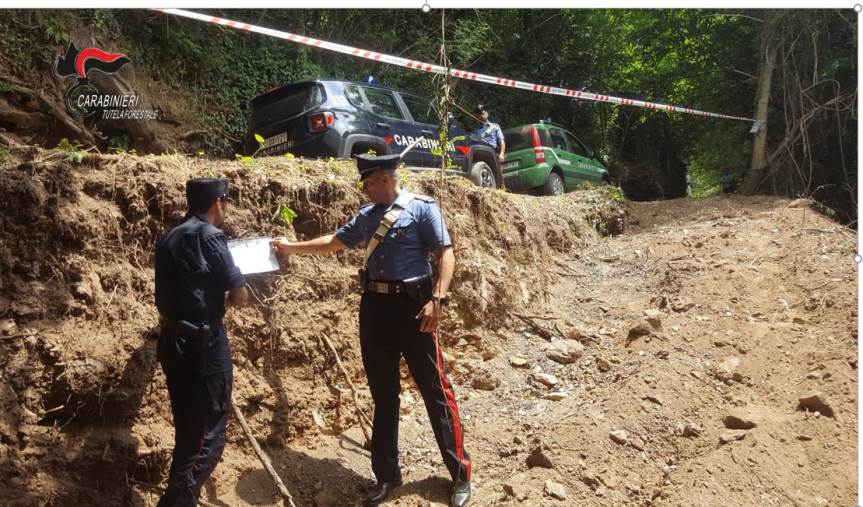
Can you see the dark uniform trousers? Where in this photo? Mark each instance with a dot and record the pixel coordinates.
(389, 329)
(200, 405)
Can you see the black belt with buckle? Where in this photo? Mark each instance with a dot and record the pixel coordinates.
(381, 287)
(418, 288)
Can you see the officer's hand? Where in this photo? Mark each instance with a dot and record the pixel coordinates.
(500, 157)
(429, 315)
(280, 244)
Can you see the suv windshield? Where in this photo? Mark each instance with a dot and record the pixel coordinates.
(284, 103)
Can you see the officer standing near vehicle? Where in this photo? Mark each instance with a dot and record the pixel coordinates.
(727, 181)
(490, 133)
(195, 280)
(399, 310)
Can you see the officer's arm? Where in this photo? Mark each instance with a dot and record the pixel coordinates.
(322, 245)
(228, 275)
(445, 258)
(237, 297)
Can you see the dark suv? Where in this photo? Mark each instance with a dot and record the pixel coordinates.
(341, 118)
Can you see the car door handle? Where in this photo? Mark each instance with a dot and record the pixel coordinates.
(383, 125)
(427, 132)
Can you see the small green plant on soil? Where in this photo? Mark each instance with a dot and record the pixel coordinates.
(286, 214)
(73, 151)
(249, 159)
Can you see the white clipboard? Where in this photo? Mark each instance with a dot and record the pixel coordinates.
(253, 255)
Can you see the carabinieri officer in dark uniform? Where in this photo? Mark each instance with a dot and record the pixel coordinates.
(194, 271)
(399, 309)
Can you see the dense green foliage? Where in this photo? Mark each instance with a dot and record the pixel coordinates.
(707, 60)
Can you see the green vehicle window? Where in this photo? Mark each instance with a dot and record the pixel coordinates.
(575, 145)
(518, 139)
(383, 103)
(557, 140)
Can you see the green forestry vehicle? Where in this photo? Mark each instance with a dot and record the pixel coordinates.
(545, 158)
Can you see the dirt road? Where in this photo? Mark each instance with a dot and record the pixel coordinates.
(748, 305)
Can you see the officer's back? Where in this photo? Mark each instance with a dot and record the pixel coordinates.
(185, 288)
(194, 271)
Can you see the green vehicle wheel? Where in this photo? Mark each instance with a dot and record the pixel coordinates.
(554, 185)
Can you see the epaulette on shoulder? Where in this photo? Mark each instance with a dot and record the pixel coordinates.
(423, 198)
(210, 230)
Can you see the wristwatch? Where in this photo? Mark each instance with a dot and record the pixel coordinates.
(442, 301)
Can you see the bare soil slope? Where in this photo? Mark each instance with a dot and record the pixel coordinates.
(694, 337)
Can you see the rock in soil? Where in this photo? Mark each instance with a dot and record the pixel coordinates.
(654, 318)
(515, 490)
(543, 379)
(731, 436)
(485, 382)
(539, 458)
(555, 489)
(619, 437)
(691, 430)
(738, 420)
(565, 351)
(815, 402)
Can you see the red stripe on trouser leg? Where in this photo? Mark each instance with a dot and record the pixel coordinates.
(453, 408)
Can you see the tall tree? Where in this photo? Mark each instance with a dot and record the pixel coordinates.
(768, 51)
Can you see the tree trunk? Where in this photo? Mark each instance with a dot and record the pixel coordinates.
(769, 50)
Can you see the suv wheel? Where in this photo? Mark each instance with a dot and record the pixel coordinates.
(482, 175)
(554, 185)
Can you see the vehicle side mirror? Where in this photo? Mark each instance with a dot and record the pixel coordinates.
(450, 119)
(590, 153)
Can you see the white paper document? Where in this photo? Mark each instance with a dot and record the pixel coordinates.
(253, 255)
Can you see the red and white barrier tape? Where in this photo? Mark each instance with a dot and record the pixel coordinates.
(437, 69)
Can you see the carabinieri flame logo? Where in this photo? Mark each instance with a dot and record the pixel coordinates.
(79, 64)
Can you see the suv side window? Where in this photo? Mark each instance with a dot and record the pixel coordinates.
(383, 103)
(421, 110)
(575, 145)
(352, 92)
(557, 140)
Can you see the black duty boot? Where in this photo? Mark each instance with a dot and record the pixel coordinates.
(460, 494)
(381, 492)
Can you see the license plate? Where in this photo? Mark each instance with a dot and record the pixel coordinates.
(275, 140)
(510, 165)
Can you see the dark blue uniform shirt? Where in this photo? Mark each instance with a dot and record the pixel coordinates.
(405, 251)
(194, 269)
